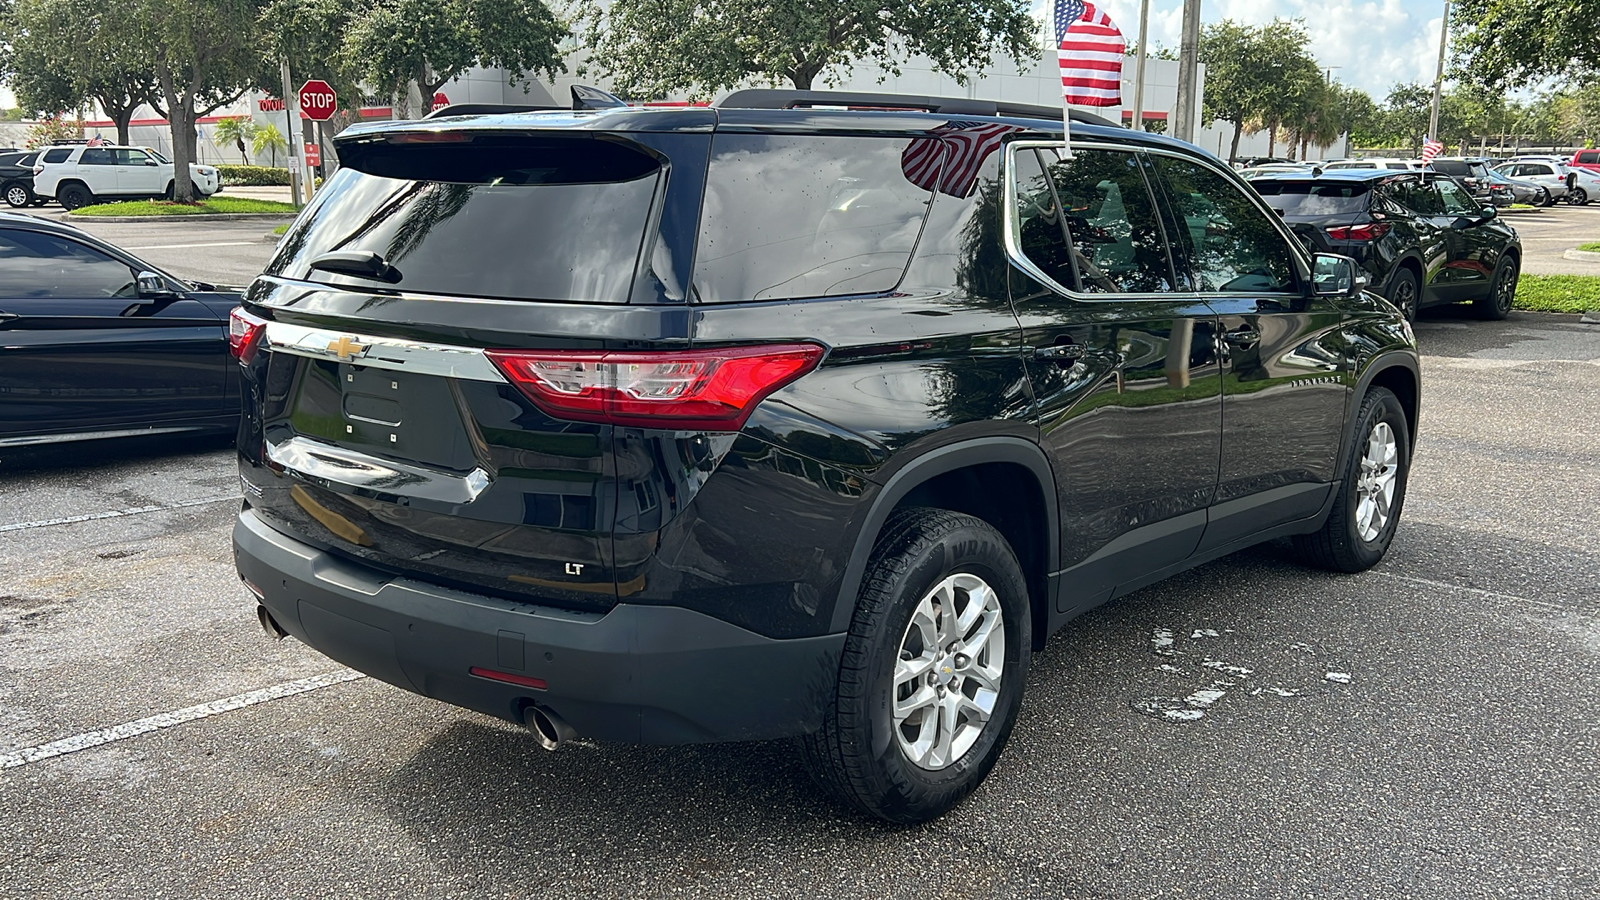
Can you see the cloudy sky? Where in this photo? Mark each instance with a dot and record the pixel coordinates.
(1375, 44)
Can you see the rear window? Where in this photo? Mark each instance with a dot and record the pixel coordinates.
(496, 216)
(808, 216)
(1588, 156)
(1452, 167)
(1304, 198)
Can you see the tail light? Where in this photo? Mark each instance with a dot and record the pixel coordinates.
(244, 333)
(38, 169)
(1368, 232)
(697, 390)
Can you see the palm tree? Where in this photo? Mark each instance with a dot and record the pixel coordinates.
(235, 130)
(267, 138)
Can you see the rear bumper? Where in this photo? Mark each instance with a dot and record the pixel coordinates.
(645, 674)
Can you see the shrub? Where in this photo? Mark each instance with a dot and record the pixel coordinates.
(253, 175)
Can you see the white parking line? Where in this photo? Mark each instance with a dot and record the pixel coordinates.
(1472, 590)
(115, 513)
(187, 246)
(12, 759)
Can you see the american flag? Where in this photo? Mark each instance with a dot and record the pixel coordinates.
(950, 162)
(94, 142)
(1089, 48)
(1430, 149)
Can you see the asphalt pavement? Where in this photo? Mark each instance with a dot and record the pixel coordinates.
(1546, 233)
(1428, 729)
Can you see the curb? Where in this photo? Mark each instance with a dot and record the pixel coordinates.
(1520, 212)
(204, 217)
(1582, 255)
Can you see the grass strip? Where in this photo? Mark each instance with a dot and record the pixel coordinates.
(1592, 247)
(1558, 293)
(208, 206)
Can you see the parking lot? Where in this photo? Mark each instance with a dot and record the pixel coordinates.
(1427, 729)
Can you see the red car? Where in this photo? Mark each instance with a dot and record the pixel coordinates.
(1586, 159)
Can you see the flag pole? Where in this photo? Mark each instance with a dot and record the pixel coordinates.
(1054, 30)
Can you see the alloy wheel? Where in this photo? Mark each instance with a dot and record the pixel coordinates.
(17, 196)
(1376, 482)
(1505, 289)
(947, 677)
(1405, 299)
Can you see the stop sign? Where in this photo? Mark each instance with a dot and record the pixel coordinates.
(317, 101)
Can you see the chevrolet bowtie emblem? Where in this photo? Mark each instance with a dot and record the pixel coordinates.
(346, 347)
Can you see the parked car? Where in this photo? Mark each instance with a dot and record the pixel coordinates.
(1551, 175)
(16, 179)
(813, 438)
(1250, 172)
(77, 176)
(1376, 163)
(1583, 186)
(1422, 238)
(98, 343)
(1473, 174)
(1526, 192)
(1585, 159)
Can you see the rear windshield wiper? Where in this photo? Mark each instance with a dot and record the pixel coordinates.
(360, 263)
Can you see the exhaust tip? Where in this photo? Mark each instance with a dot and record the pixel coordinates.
(548, 728)
(269, 624)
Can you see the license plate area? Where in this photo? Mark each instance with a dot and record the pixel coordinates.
(399, 415)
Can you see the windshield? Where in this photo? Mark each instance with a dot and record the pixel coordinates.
(1310, 198)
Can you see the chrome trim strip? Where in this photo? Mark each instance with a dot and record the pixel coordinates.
(329, 465)
(395, 354)
(33, 439)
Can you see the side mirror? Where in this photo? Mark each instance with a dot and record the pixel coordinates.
(153, 286)
(1488, 212)
(1338, 276)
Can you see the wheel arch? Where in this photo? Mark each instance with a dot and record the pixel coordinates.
(1397, 371)
(1003, 480)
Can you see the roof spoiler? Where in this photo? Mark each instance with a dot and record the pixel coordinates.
(767, 98)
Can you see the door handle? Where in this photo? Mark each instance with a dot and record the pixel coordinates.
(1059, 352)
(1243, 337)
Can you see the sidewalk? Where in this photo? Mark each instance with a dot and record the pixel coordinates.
(267, 192)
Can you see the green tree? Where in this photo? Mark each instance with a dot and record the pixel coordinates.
(235, 130)
(205, 54)
(51, 129)
(310, 35)
(1258, 77)
(650, 48)
(1405, 115)
(66, 53)
(268, 139)
(396, 43)
(1506, 42)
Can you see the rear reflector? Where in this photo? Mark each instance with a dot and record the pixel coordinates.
(692, 390)
(1367, 232)
(508, 678)
(244, 333)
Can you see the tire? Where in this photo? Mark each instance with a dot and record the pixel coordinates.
(18, 195)
(1355, 537)
(74, 196)
(1578, 197)
(1549, 197)
(197, 193)
(1496, 304)
(1542, 198)
(915, 770)
(1402, 292)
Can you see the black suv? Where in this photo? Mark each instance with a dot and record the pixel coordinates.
(16, 178)
(1421, 237)
(770, 420)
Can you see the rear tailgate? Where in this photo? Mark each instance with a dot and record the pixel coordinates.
(380, 427)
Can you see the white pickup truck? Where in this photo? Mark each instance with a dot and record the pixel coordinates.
(80, 175)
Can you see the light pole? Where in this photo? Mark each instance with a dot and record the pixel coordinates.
(1184, 110)
(1138, 67)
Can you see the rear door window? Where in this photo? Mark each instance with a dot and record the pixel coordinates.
(57, 155)
(788, 216)
(1113, 238)
(33, 264)
(495, 216)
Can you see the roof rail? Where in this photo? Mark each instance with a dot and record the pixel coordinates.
(486, 109)
(768, 98)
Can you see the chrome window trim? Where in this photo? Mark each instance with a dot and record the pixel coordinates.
(393, 354)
